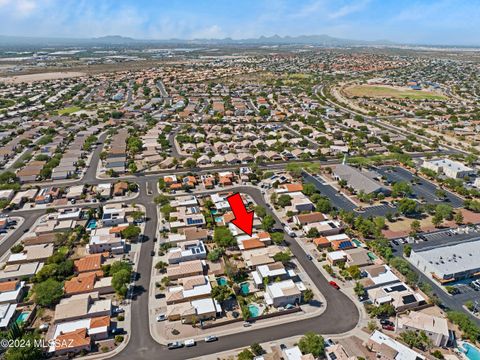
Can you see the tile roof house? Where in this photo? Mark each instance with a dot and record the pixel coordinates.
(87, 282)
(90, 263)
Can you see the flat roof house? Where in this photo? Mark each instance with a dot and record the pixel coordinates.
(435, 328)
(284, 293)
(187, 251)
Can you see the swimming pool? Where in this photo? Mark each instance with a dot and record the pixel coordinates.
(92, 224)
(254, 310)
(214, 212)
(22, 317)
(221, 281)
(244, 288)
(218, 219)
(470, 351)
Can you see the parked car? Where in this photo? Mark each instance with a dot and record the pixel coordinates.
(117, 331)
(247, 324)
(388, 327)
(118, 310)
(386, 322)
(334, 284)
(190, 343)
(174, 345)
(395, 242)
(43, 327)
(161, 317)
(211, 338)
(329, 342)
(309, 257)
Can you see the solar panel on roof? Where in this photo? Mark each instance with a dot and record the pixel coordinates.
(409, 299)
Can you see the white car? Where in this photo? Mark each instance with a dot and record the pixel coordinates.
(190, 342)
(161, 317)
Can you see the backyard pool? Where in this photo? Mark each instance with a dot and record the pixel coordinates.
(92, 224)
(218, 219)
(244, 288)
(470, 351)
(221, 281)
(254, 310)
(214, 212)
(22, 317)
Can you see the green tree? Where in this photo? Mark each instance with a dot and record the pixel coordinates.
(309, 189)
(48, 292)
(308, 295)
(260, 211)
(277, 238)
(221, 293)
(120, 280)
(283, 256)
(223, 237)
(445, 211)
(268, 222)
(437, 220)
(256, 349)
(131, 232)
(415, 227)
(407, 206)
(419, 339)
(407, 250)
(312, 343)
(458, 218)
(284, 201)
(28, 350)
(215, 254)
(402, 189)
(161, 265)
(359, 289)
(245, 354)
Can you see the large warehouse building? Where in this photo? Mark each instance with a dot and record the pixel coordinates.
(449, 263)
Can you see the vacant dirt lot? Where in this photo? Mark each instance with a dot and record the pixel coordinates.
(40, 77)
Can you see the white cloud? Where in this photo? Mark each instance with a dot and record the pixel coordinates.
(349, 9)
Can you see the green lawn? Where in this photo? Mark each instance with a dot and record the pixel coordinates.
(386, 91)
(68, 110)
(5, 103)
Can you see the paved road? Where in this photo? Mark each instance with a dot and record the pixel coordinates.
(341, 314)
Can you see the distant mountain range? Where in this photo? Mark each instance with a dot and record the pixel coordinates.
(116, 40)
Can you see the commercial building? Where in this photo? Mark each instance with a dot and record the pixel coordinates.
(449, 263)
(359, 181)
(449, 168)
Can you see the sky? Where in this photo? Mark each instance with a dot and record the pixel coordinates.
(449, 22)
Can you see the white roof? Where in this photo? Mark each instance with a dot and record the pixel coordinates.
(337, 255)
(404, 352)
(452, 259)
(205, 306)
(6, 313)
(293, 353)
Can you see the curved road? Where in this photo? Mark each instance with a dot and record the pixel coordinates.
(341, 314)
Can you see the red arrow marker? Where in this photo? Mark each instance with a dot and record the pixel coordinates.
(243, 218)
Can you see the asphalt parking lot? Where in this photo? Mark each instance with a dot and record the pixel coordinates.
(338, 200)
(423, 189)
(341, 202)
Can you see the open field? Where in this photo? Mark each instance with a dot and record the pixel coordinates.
(40, 77)
(392, 92)
(68, 110)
